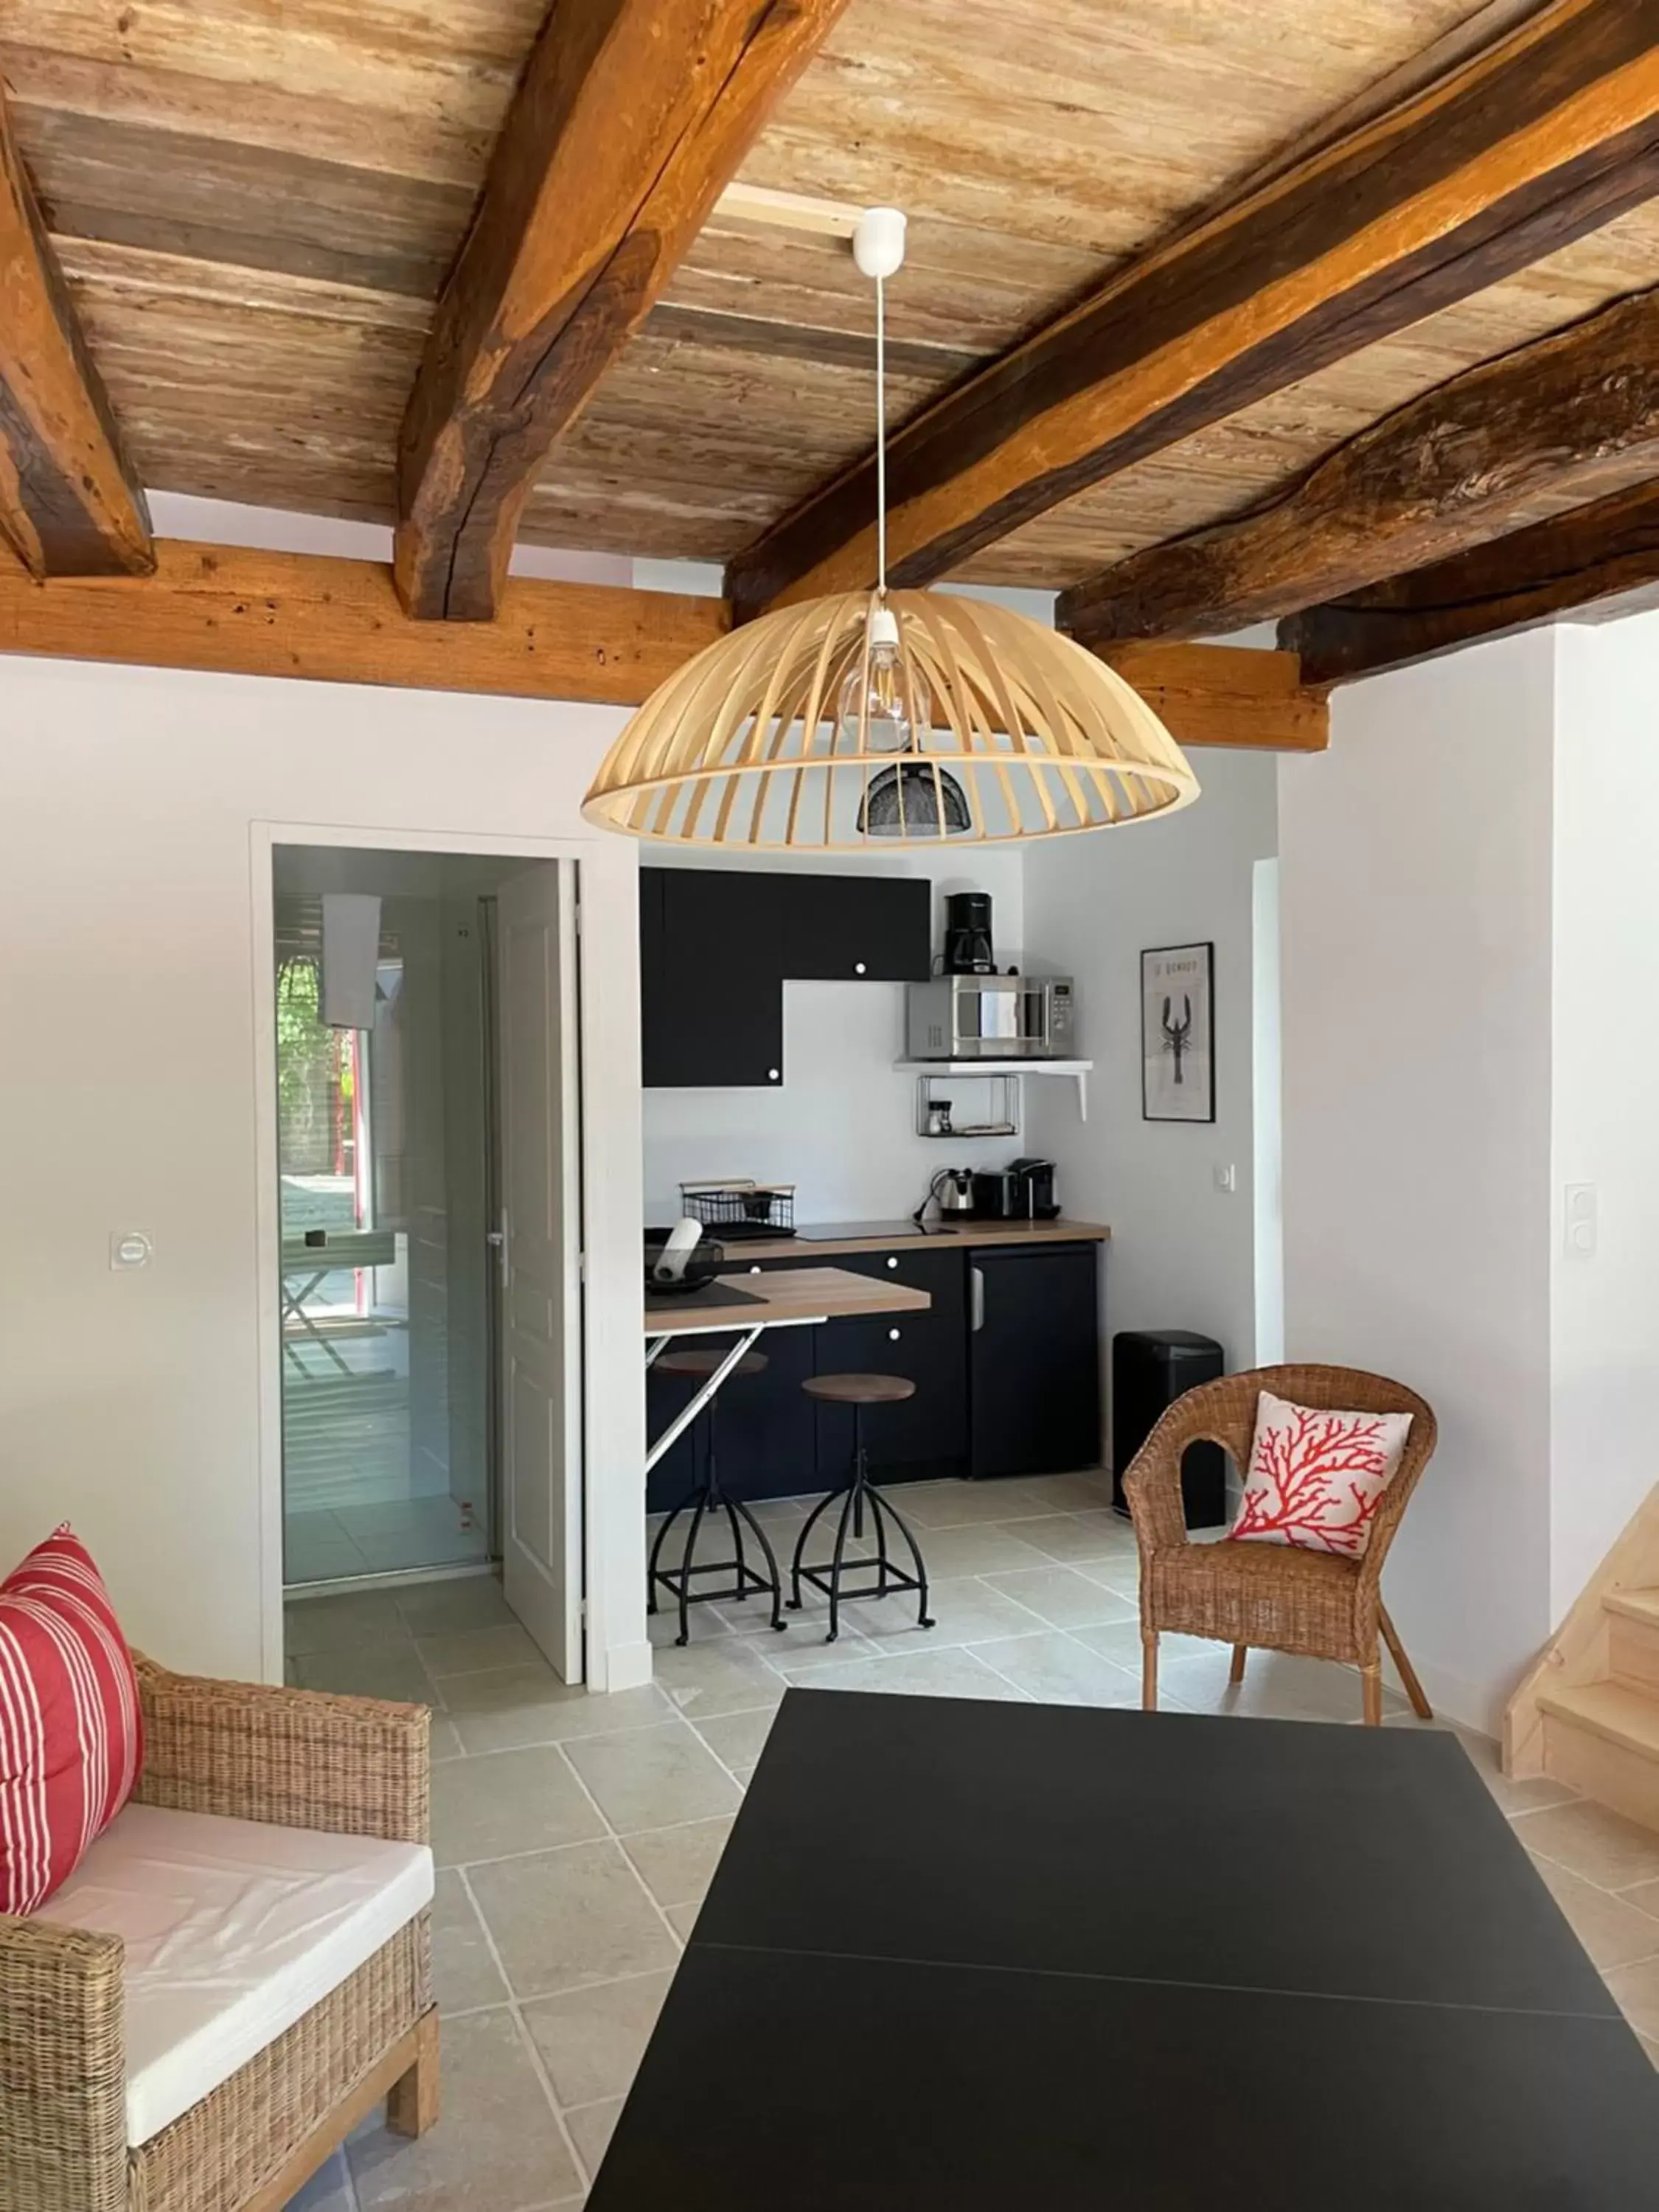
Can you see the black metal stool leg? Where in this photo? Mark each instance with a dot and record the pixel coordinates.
(656, 1552)
(778, 1621)
(879, 1509)
(835, 1563)
(697, 1513)
(812, 1519)
(883, 1503)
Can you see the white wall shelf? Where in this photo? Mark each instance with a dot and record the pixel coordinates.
(967, 1070)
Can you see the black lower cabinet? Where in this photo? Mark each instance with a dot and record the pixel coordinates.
(1034, 1359)
(766, 1436)
(925, 1438)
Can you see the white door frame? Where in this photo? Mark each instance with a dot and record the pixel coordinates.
(613, 1380)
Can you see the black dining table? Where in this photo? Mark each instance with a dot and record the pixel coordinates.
(972, 1957)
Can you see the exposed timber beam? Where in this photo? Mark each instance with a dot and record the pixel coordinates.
(1606, 550)
(1547, 134)
(630, 118)
(69, 505)
(1445, 472)
(1226, 694)
(245, 613)
(240, 612)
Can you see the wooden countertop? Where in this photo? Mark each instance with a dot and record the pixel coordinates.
(805, 1294)
(965, 1236)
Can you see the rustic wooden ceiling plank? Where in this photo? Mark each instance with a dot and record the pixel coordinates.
(1226, 694)
(631, 117)
(69, 506)
(1606, 549)
(1551, 132)
(1458, 465)
(244, 612)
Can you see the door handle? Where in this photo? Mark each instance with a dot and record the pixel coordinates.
(498, 1238)
(976, 1285)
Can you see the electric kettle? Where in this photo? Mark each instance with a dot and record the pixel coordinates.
(952, 1191)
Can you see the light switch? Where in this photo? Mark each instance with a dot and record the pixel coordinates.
(1226, 1176)
(1581, 1223)
(130, 1248)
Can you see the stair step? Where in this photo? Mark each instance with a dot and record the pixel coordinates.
(1627, 1717)
(1641, 1605)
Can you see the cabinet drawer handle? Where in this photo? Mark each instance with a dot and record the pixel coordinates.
(977, 1282)
(892, 1263)
(893, 1336)
(771, 1075)
(858, 967)
(754, 1270)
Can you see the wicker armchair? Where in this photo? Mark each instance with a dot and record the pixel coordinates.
(345, 1765)
(1273, 1596)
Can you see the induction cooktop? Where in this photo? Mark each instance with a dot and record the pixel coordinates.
(834, 1232)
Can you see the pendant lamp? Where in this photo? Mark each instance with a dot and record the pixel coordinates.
(873, 719)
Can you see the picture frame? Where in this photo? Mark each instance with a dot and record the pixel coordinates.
(1177, 1033)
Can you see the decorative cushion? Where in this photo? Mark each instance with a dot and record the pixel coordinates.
(71, 1735)
(232, 1931)
(1316, 1477)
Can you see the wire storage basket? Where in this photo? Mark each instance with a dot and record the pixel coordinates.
(739, 1208)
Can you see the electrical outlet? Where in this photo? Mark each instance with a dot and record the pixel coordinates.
(1226, 1176)
(1580, 1221)
(129, 1247)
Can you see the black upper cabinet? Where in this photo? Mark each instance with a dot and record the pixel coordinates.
(716, 945)
(1034, 1358)
(845, 928)
(711, 1006)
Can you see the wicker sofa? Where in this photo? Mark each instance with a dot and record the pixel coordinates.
(293, 1760)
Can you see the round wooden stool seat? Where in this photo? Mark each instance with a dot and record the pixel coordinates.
(859, 1390)
(703, 1360)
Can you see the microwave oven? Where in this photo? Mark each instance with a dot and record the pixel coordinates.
(990, 1018)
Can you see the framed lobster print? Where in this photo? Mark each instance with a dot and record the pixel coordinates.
(1177, 1033)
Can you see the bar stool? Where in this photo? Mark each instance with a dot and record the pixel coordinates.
(859, 1391)
(706, 1499)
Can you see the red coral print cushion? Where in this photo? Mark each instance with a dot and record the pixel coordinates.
(1317, 1478)
(71, 1737)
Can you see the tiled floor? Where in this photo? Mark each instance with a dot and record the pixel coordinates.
(576, 1836)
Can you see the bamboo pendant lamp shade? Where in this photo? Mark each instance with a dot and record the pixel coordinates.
(752, 745)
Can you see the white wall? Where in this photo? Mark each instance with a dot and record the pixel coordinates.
(842, 1125)
(1183, 1253)
(131, 1402)
(1605, 1305)
(1415, 880)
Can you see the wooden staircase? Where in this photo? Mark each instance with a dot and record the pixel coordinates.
(1589, 1712)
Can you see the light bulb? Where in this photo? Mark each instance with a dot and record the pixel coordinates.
(885, 706)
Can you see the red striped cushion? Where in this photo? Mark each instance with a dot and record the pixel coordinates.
(71, 1737)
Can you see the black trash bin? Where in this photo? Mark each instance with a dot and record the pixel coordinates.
(1150, 1369)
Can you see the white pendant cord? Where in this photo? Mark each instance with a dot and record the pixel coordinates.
(881, 438)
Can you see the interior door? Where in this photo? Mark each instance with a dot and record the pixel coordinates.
(540, 1249)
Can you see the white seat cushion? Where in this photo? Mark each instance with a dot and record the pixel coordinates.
(234, 1929)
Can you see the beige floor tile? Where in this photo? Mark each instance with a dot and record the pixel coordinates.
(464, 1969)
(370, 1670)
(506, 1802)
(980, 1548)
(474, 1650)
(591, 2129)
(451, 1608)
(651, 1777)
(677, 1864)
(510, 1706)
(1120, 1642)
(1065, 1599)
(1636, 1988)
(1650, 2045)
(737, 1739)
(1067, 1536)
(498, 2147)
(591, 2040)
(1589, 1840)
(1069, 1493)
(726, 1674)
(446, 1742)
(1056, 1670)
(685, 1919)
(1277, 1686)
(965, 1611)
(743, 1775)
(946, 1672)
(705, 1622)
(804, 1650)
(328, 2190)
(565, 1919)
(1644, 1895)
(329, 1624)
(1614, 1932)
(960, 1505)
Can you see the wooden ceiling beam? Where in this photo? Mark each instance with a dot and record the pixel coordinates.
(1606, 550)
(1549, 133)
(1443, 473)
(70, 504)
(247, 613)
(631, 117)
(234, 611)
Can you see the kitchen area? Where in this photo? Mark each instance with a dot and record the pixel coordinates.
(837, 1074)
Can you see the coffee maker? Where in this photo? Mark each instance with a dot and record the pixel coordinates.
(967, 934)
